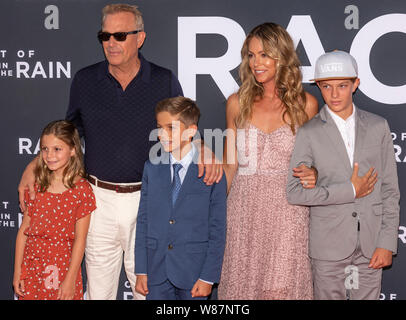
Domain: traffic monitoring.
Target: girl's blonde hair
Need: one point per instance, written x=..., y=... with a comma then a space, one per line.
x=278, y=45
x=67, y=132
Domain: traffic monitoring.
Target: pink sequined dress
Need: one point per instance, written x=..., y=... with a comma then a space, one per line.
x=266, y=255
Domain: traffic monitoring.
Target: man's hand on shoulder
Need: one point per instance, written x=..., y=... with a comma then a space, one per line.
x=209, y=165
x=27, y=183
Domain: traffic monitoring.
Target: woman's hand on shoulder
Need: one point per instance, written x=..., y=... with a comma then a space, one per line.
x=312, y=105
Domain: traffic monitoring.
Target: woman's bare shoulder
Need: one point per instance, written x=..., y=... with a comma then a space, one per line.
x=312, y=105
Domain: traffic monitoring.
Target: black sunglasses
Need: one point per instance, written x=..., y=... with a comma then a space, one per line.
x=119, y=36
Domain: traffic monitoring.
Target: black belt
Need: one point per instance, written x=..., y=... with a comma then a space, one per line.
x=115, y=187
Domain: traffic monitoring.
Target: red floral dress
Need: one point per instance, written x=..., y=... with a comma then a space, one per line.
x=50, y=236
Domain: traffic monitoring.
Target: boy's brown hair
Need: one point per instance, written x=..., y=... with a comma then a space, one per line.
x=185, y=108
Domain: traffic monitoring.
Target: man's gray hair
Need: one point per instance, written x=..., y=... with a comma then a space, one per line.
x=123, y=7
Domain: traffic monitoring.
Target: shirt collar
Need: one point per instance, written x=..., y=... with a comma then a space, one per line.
x=338, y=119
x=144, y=73
x=187, y=159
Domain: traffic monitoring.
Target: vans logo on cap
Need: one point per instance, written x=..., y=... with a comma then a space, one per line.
x=331, y=67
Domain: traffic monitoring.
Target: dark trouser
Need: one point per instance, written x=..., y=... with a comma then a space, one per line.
x=167, y=291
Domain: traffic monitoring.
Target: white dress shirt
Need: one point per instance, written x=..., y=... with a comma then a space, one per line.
x=347, y=131
x=185, y=162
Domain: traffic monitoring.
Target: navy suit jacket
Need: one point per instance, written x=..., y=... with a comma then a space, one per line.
x=184, y=243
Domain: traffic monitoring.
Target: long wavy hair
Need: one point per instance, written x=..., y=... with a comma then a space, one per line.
x=67, y=132
x=278, y=45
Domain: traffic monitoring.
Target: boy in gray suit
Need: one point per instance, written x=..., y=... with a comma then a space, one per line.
x=354, y=208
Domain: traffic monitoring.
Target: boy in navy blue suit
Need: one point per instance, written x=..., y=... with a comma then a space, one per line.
x=181, y=222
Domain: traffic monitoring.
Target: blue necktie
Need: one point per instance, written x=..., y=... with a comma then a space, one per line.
x=176, y=184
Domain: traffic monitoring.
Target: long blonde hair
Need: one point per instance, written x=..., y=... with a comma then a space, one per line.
x=67, y=132
x=278, y=45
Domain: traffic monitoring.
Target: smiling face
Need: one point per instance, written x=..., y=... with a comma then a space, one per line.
x=122, y=53
x=262, y=66
x=173, y=134
x=55, y=153
x=337, y=94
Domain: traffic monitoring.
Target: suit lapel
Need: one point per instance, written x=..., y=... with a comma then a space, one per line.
x=190, y=178
x=164, y=172
x=360, y=134
x=335, y=137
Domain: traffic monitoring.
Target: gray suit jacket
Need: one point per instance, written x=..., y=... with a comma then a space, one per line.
x=334, y=211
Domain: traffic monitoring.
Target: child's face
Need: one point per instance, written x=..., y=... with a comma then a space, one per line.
x=55, y=153
x=173, y=133
x=337, y=94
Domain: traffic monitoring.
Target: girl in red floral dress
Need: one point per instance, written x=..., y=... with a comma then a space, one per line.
x=51, y=240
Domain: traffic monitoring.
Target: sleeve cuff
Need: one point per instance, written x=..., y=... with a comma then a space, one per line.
x=211, y=283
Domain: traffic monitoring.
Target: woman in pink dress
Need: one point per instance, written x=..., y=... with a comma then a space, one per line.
x=266, y=255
